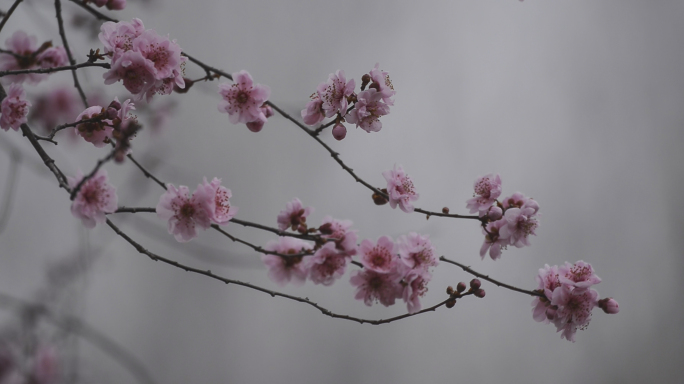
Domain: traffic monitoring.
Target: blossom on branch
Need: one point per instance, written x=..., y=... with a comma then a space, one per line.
x=382, y=83
x=183, y=212
x=313, y=113
x=327, y=264
x=97, y=132
x=294, y=215
x=95, y=198
x=14, y=108
x=368, y=110
x=216, y=200
x=372, y=286
x=285, y=269
x=334, y=94
x=487, y=190
x=243, y=100
x=400, y=189
x=380, y=257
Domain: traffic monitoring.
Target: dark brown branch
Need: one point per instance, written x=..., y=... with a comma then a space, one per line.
x=54, y=69
x=9, y=13
x=92, y=11
x=486, y=277
x=60, y=23
x=146, y=172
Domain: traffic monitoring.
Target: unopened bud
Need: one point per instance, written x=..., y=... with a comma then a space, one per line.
x=339, y=131
x=111, y=113
x=115, y=104
x=379, y=199
x=551, y=313
x=609, y=305
x=450, y=290
x=460, y=287
x=188, y=84
x=326, y=229
x=445, y=210
x=479, y=293
x=495, y=213
x=475, y=284
x=365, y=79
x=450, y=303
x=302, y=229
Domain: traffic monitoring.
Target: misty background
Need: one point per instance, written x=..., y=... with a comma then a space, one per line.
x=577, y=104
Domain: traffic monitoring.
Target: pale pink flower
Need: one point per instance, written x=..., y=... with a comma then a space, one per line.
x=183, y=212
x=345, y=239
x=400, y=189
x=574, y=309
x=258, y=125
x=313, y=113
x=368, y=110
x=327, y=265
x=373, y=286
x=339, y=131
x=137, y=72
x=493, y=241
x=487, y=190
x=281, y=269
x=382, y=83
x=118, y=37
x=334, y=93
x=242, y=100
x=580, y=275
x=414, y=287
x=548, y=281
x=216, y=198
x=380, y=257
x=22, y=45
x=53, y=57
x=609, y=305
x=96, y=132
x=14, y=108
x=516, y=200
x=417, y=252
x=520, y=223
x=163, y=52
x=293, y=215
x=95, y=198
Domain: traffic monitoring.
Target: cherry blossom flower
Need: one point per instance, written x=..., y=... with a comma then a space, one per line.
x=137, y=72
x=417, y=252
x=380, y=257
x=580, y=275
x=313, y=113
x=164, y=53
x=14, y=108
x=372, y=286
x=574, y=309
x=487, y=190
x=493, y=242
x=53, y=57
x=609, y=305
x=334, y=93
x=216, y=198
x=95, y=198
x=283, y=270
x=345, y=239
x=258, y=125
x=327, y=265
x=293, y=215
x=368, y=110
x=96, y=132
x=183, y=212
x=23, y=46
x=382, y=83
x=400, y=189
x=414, y=287
x=242, y=100
x=520, y=223
x=118, y=37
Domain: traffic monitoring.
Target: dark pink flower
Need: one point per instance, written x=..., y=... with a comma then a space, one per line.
x=487, y=190
x=380, y=257
x=160, y=50
x=242, y=100
x=116, y=5
x=574, y=309
x=334, y=94
x=368, y=110
x=283, y=270
x=14, y=108
x=327, y=264
x=95, y=198
x=521, y=221
x=400, y=189
x=118, y=37
x=183, y=212
x=373, y=286
x=293, y=215
x=216, y=199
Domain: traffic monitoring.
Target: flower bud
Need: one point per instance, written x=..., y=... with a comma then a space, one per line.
x=111, y=113
x=445, y=210
x=450, y=290
x=379, y=199
x=495, y=213
x=326, y=229
x=609, y=305
x=115, y=104
x=479, y=293
x=255, y=126
x=475, y=284
x=339, y=131
x=450, y=303
x=460, y=287
x=365, y=79
x=551, y=313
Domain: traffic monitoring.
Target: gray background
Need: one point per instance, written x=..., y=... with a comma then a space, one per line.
x=575, y=103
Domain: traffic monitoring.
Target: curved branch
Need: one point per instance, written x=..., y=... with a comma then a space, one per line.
x=9, y=13
x=60, y=24
x=486, y=277
x=54, y=69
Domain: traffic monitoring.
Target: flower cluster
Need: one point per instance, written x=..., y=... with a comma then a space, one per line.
x=245, y=102
x=506, y=222
x=294, y=215
x=147, y=63
x=24, y=53
x=101, y=125
x=208, y=205
x=400, y=189
x=568, y=298
x=14, y=108
x=95, y=198
x=333, y=97
x=114, y=5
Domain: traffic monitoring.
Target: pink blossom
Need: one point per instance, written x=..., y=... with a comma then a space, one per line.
x=53, y=57
x=383, y=84
x=163, y=52
x=118, y=37
x=183, y=212
x=487, y=190
x=380, y=257
x=283, y=270
x=334, y=93
x=520, y=223
x=313, y=113
x=242, y=100
x=368, y=110
x=400, y=189
x=14, y=108
x=96, y=132
x=95, y=198
x=258, y=125
x=293, y=215
x=216, y=199
x=339, y=131
x=137, y=72
x=327, y=265
x=345, y=239
x=24, y=46
x=609, y=305
x=372, y=286
x=493, y=241
x=548, y=281
x=417, y=252
x=574, y=309
x=580, y=275
x=414, y=287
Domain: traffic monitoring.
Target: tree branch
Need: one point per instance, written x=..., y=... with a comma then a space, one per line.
x=486, y=277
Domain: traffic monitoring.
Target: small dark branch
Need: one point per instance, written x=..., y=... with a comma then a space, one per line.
x=135, y=210
x=292, y=119
x=145, y=172
x=54, y=69
x=208, y=69
x=257, y=248
x=45, y=138
x=69, y=125
x=92, y=173
x=60, y=23
x=225, y=280
x=10, y=187
x=88, y=333
x=357, y=263
x=441, y=214
x=486, y=277
x=9, y=13
x=92, y=11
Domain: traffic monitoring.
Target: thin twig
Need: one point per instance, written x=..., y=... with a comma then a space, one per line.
x=54, y=69
x=486, y=277
x=9, y=13
x=92, y=173
x=62, y=34
x=98, y=15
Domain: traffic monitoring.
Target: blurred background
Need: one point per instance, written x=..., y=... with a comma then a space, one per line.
x=577, y=104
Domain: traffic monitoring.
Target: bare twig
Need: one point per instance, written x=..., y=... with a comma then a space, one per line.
x=486, y=277
x=9, y=13
x=60, y=23
x=92, y=173
x=54, y=69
